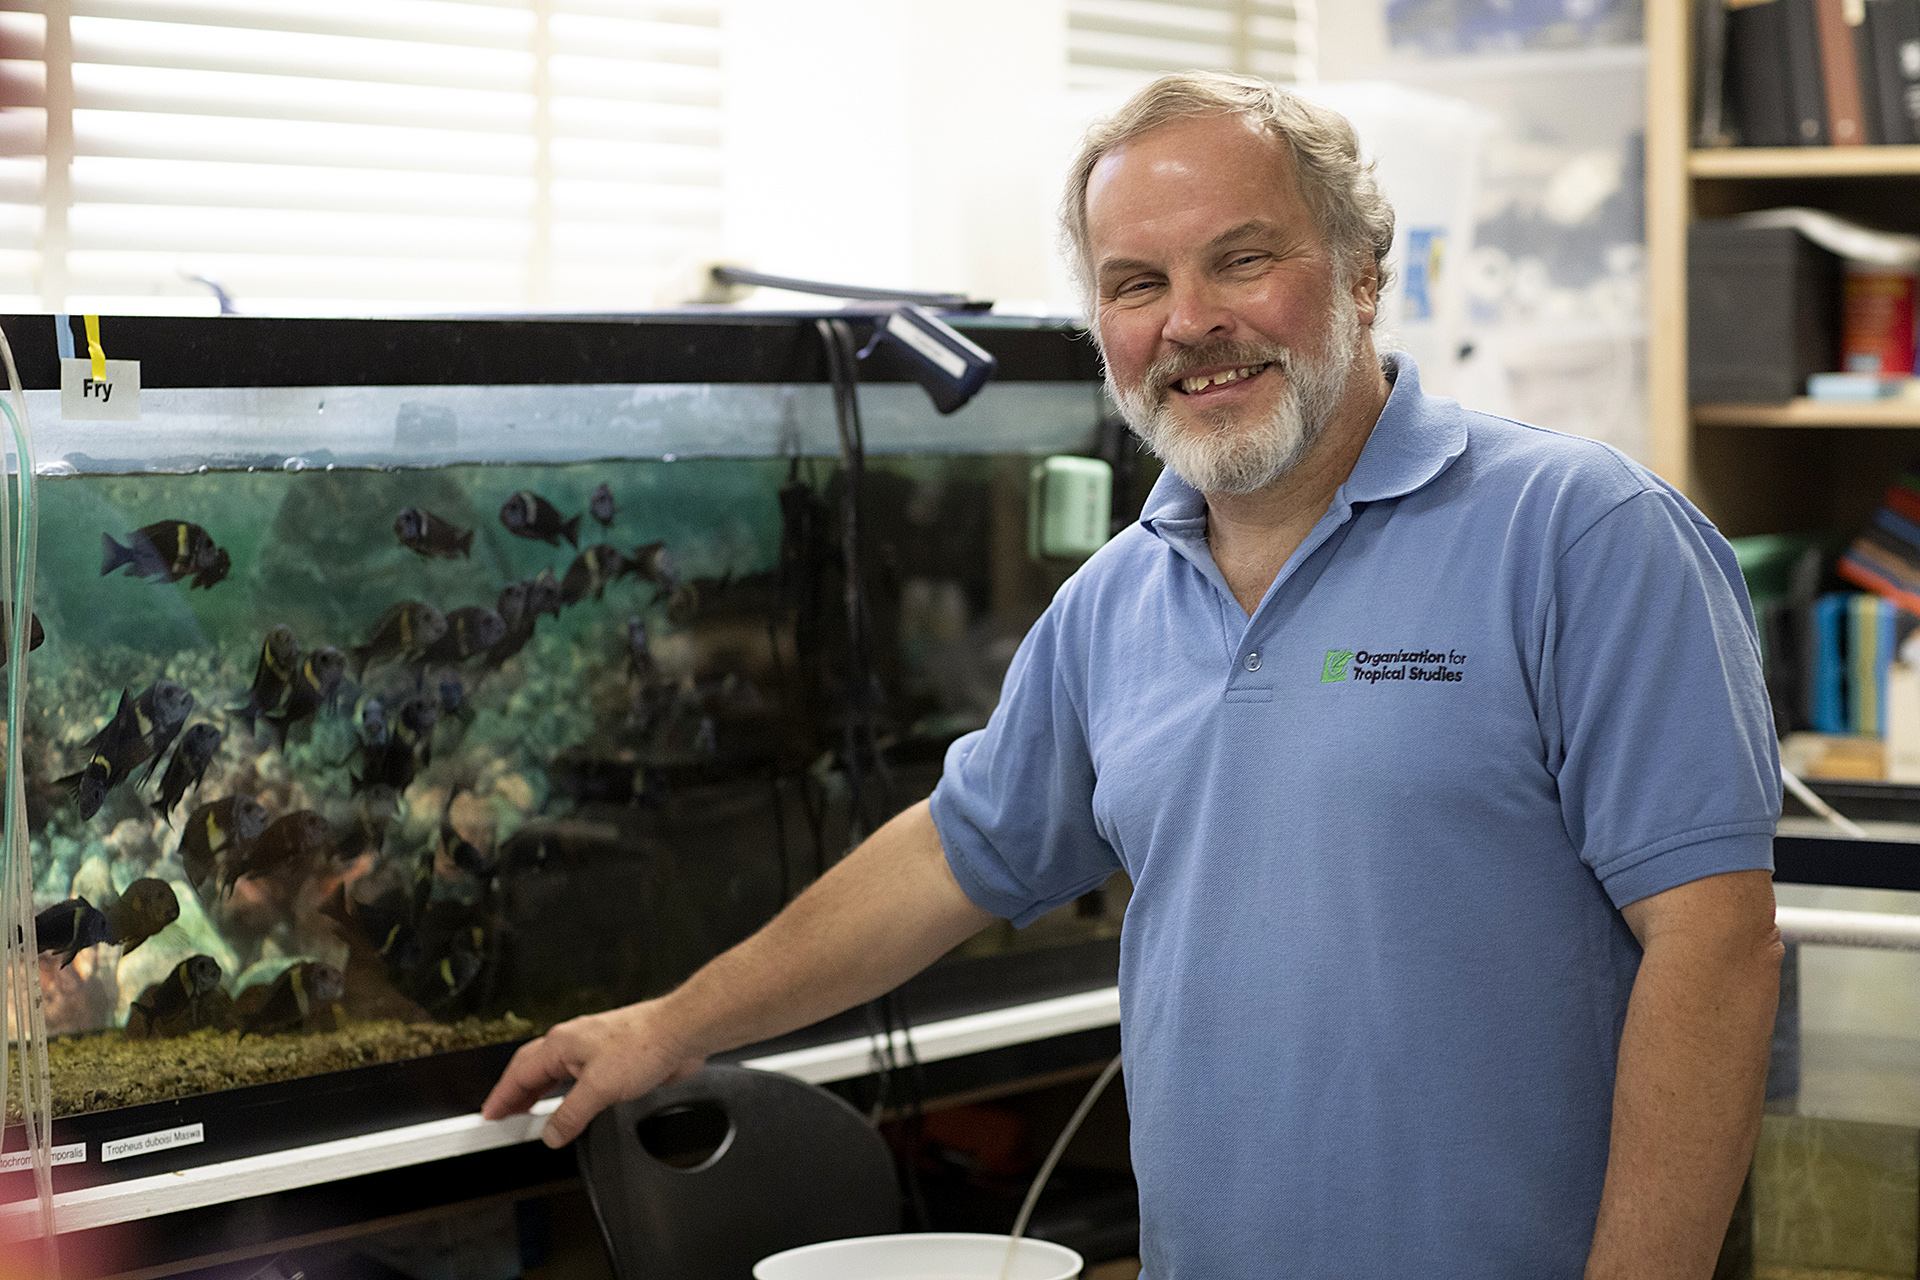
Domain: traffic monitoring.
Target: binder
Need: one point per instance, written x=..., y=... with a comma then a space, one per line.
x=1830, y=662
x=1756, y=69
x=1866, y=669
x=1806, y=84
x=1840, y=74
x=1891, y=77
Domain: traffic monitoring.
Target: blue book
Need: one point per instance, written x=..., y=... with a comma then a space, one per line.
x=1899, y=526
x=1830, y=662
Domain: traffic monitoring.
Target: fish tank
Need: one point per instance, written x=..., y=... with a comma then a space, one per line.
x=404, y=687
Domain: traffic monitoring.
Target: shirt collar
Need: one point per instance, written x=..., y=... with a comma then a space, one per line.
x=1416, y=438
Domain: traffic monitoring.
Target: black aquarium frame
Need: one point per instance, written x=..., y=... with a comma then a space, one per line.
x=687, y=346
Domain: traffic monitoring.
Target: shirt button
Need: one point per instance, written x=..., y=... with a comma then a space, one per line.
x=1253, y=662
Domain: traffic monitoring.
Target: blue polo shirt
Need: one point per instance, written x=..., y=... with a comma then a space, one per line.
x=1374, y=972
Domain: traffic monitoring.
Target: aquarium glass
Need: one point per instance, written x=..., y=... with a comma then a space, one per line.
x=334, y=767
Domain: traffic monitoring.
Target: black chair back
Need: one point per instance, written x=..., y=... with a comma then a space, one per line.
x=699, y=1180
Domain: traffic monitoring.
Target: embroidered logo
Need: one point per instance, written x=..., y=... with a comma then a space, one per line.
x=1335, y=667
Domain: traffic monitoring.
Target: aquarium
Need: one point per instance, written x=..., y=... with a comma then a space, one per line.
x=407, y=686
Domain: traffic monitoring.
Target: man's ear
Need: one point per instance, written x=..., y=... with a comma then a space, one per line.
x=1366, y=292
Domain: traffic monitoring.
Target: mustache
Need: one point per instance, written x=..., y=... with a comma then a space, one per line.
x=1175, y=365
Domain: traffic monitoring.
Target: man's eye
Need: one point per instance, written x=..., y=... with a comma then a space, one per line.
x=1245, y=259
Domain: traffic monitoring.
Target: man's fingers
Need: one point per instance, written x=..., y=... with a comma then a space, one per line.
x=535, y=1068
x=576, y=1111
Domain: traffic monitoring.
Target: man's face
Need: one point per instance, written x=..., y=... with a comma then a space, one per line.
x=1229, y=329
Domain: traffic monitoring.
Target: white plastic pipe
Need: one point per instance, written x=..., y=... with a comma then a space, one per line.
x=1825, y=927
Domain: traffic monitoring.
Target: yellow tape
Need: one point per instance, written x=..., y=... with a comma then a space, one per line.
x=94, y=349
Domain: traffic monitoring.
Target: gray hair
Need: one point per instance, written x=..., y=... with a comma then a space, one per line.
x=1339, y=190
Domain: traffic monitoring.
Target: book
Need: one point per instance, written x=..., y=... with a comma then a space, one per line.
x=1869, y=649
x=1806, y=79
x=1839, y=73
x=1903, y=723
x=1893, y=83
x=1830, y=662
x=1756, y=72
x=1709, y=73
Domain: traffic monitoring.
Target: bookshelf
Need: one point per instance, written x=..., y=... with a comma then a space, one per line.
x=1804, y=465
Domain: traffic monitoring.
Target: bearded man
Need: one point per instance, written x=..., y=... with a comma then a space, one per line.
x=1435, y=746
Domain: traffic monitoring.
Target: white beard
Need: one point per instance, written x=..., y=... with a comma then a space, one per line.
x=1219, y=455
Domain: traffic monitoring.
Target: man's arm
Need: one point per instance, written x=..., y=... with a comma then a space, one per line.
x=885, y=912
x=1691, y=1078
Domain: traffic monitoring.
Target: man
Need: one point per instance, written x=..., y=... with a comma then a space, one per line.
x=1434, y=744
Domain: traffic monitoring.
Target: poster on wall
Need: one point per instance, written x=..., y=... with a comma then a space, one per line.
x=1444, y=27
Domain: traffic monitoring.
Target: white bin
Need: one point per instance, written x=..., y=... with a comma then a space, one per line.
x=928, y=1256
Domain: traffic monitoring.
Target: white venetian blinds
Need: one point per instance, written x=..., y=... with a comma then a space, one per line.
x=355, y=156
x=1122, y=44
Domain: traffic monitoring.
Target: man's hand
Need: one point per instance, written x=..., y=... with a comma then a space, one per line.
x=609, y=1056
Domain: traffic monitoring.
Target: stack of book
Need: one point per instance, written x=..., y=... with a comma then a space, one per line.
x=1807, y=73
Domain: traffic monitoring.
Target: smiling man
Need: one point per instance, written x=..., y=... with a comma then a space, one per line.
x=1434, y=744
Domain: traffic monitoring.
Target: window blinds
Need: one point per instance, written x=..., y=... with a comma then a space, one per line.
x=355, y=156
x=1119, y=45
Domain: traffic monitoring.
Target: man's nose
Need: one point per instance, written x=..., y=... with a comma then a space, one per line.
x=1198, y=312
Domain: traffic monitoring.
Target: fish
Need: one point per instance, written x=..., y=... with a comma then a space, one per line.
x=520, y=606
x=140, y=729
x=171, y=549
x=182, y=991
x=231, y=823
x=512, y=604
x=458, y=849
x=160, y=712
x=272, y=674
x=385, y=923
x=36, y=635
x=188, y=766
x=290, y=841
x=69, y=927
x=453, y=698
x=601, y=504
x=408, y=748
x=316, y=679
x=528, y=515
x=407, y=630
x=544, y=594
x=428, y=534
x=639, y=648
x=147, y=907
x=470, y=632
x=591, y=571
x=373, y=722
x=652, y=562
x=295, y=996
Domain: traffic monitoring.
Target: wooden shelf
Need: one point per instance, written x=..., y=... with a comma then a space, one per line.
x=1804, y=162
x=1811, y=413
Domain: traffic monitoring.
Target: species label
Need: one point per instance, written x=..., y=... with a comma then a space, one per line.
x=139, y=1145
x=114, y=398
x=18, y=1161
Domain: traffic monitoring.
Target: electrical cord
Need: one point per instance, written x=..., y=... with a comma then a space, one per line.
x=23, y=997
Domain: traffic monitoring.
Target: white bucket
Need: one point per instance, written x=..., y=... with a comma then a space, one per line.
x=942, y=1255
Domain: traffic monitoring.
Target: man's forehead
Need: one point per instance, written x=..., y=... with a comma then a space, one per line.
x=1227, y=170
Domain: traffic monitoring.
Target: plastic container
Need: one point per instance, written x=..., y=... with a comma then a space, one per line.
x=929, y=1256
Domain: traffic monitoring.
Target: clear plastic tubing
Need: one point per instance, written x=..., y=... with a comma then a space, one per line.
x=1053, y=1158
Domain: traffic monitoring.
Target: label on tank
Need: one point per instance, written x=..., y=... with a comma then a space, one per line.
x=140, y=1144
x=113, y=397
x=20, y=1161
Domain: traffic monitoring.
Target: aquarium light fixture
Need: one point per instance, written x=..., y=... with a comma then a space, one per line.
x=941, y=359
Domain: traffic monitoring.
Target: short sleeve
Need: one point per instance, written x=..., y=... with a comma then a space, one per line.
x=1014, y=807
x=1653, y=704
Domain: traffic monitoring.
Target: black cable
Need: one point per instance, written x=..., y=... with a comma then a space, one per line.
x=857, y=731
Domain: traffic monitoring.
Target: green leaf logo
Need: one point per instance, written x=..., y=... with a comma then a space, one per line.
x=1335, y=667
